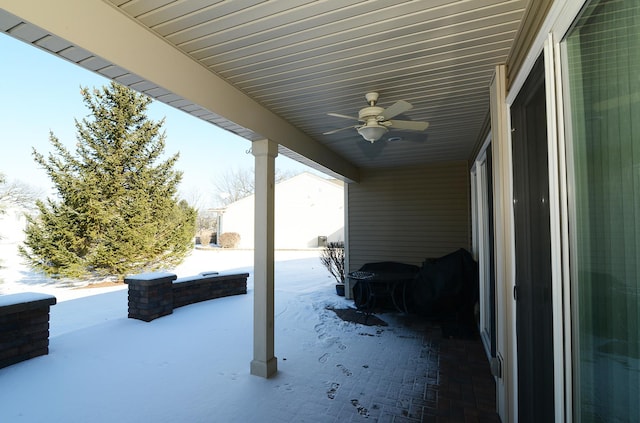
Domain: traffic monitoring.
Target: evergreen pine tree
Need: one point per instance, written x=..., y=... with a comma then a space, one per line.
x=116, y=210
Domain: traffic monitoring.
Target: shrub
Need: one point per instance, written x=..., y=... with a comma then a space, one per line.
x=229, y=239
x=203, y=237
x=332, y=257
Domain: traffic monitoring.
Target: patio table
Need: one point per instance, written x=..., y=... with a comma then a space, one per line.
x=371, y=286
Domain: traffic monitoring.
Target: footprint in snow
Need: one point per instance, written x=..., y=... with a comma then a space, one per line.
x=331, y=393
x=344, y=370
x=361, y=410
x=285, y=386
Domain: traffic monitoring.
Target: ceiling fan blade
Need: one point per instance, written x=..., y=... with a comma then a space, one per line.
x=409, y=125
x=337, y=130
x=396, y=108
x=342, y=116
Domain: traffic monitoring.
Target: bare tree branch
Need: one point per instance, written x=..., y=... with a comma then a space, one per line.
x=236, y=184
x=19, y=194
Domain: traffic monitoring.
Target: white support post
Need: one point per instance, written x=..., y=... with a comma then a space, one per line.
x=264, y=362
x=504, y=257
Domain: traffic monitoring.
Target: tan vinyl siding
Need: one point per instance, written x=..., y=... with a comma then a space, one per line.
x=408, y=214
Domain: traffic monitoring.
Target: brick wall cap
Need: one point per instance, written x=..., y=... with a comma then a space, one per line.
x=199, y=276
x=211, y=276
x=13, y=303
x=233, y=275
x=150, y=278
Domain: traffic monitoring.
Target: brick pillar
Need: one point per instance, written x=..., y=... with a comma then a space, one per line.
x=24, y=326
x=150, y=295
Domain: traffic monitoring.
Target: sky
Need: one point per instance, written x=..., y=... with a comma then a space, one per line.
x=40, y=93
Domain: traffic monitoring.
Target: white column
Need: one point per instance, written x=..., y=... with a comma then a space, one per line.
x=264, y=362
x=504, y=259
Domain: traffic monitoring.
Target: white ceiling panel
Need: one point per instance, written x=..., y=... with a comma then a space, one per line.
x=302, y=59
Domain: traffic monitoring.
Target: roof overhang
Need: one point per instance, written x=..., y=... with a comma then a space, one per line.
x=273, y=70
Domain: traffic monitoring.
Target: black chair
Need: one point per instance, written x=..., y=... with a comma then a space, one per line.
x=383, y=285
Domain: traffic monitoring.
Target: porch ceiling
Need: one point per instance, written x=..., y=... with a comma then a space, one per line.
x=301, y=59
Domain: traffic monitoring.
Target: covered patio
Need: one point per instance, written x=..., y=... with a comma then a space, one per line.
x=291, y=77
x=191, y=366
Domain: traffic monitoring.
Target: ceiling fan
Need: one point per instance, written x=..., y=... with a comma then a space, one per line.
x=377, y=121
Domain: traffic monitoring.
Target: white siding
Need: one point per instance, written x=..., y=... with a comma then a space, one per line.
x=306, y=206
x=409, y=214
x=239, y=217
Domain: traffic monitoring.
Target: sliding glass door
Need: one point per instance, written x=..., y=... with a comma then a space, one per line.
x=602, y=68
x=482, y=215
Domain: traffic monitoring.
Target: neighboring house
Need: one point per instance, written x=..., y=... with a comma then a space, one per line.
x=309, y=211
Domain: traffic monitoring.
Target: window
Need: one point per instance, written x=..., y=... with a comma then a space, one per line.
x=602, y=57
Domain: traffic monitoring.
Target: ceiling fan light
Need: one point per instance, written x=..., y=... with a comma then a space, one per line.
x=372, y=133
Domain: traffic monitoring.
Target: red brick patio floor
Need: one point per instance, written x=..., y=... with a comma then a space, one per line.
x=466, y=389
x=458, y=386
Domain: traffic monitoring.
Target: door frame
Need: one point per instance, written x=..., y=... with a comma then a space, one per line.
x=558, y=21
x=534, y=331
x=483, y=244
x=547, y=41
x=558, y=280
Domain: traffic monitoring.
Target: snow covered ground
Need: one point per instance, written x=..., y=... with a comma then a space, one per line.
x=193, y=365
